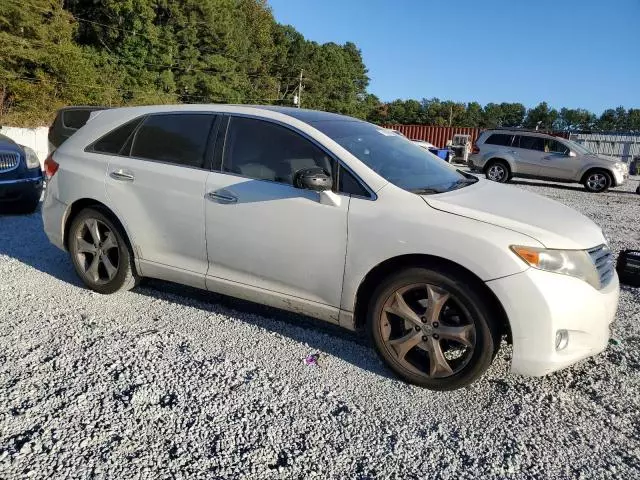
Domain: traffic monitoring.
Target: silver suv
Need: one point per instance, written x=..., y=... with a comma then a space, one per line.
x=503, y=154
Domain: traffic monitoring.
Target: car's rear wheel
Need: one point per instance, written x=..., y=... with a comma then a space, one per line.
x=498, y=171
x=100, y=254
x=432, y=328
x=597, y=181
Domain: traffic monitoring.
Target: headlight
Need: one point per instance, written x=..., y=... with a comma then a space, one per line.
x=32, y=158
x=576, y=263
x=623, y=167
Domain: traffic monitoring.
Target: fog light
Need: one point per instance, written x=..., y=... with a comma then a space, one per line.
x=562, y=339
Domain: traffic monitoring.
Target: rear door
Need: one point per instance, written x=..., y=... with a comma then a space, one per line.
x=529, y=151
x=156, y=183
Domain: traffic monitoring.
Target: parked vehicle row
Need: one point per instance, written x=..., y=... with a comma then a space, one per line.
x=21, y=178
x=338, y=219
x=504, y=154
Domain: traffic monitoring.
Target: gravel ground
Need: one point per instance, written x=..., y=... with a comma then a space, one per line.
x=169, y=382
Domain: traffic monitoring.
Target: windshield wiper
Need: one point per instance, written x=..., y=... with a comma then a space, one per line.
x=426, y=191
x=463, y=183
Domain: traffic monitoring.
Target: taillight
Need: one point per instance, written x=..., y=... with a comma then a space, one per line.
x=475, y=149
x=50, y=167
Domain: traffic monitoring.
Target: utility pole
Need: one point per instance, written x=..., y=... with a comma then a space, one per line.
x=300, y=90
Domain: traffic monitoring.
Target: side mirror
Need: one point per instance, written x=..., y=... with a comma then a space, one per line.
x=571, y=154
x=314, y=178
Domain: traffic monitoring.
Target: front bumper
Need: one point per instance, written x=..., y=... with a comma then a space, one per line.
x=539, y=303
x=620, y=177
x=20, y=189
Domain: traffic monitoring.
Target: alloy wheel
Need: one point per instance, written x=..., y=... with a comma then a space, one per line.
x=597, y=182
x=496, y=172
x=427, y=331
x=97, y=251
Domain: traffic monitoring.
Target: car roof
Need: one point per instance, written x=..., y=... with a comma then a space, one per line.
x=301, y=114
x=519, y=131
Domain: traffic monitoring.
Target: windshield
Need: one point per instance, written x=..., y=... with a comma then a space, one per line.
x=396, y=159
x=578, y=148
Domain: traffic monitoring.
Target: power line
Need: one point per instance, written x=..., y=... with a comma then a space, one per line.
x=174, y=66
x=127, y=90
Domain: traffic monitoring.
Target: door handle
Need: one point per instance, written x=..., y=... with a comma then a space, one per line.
x=122, y=175
x=221, y=197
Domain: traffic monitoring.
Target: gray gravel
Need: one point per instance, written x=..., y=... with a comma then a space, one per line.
x=169, y=382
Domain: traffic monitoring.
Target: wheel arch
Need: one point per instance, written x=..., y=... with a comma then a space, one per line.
x=79, y=205
x=503, y=159
x=593, y=168
x=392, y=265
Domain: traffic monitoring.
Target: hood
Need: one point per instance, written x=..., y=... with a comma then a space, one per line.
x=550, y=223
x=605, y=157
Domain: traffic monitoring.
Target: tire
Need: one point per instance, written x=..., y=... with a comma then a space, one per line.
x=498, y=171
x=454, y=321
x=105, y=264
x=597, y=181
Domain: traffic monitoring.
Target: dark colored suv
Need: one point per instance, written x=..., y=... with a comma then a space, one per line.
x=20, y=178
x=68, y=120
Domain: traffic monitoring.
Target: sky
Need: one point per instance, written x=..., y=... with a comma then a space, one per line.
x=570, y=53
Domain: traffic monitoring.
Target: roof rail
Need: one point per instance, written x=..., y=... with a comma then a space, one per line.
x=555, y=133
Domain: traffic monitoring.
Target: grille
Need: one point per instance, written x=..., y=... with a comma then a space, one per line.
x=8, y=161
x=603, y=260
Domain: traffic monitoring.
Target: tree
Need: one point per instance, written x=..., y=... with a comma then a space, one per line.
x=541, y=116
x=473, y=115
x=512, y=114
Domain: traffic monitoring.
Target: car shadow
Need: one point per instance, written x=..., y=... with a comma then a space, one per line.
x=561, y=186
x=22, y=238
x=318, y=335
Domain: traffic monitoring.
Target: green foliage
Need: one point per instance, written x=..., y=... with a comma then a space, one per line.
x=127, y=52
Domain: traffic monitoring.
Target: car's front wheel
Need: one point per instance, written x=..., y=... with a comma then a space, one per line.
x=598, y=181
x=100, y=253
x=432, y=328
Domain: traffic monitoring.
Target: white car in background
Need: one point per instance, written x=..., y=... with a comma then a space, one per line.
x=335, y=218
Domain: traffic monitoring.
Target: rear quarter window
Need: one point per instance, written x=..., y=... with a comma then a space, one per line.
x=75, y=118
x=501, y=139
x=114, y=142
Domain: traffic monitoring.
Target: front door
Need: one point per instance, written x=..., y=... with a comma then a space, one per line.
x=158, y=188
x=556, y=162
x=266, y=238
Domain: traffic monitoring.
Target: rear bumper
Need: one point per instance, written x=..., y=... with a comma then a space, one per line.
x=20, y=190
x=539, y=304
x=53, y=217
x=474, y=163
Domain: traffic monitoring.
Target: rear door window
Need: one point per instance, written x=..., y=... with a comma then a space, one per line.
x=529, y=143
x=174, y=138
x=501, y=139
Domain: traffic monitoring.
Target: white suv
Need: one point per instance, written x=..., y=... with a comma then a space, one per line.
x=504, y=154
x=338, y=219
